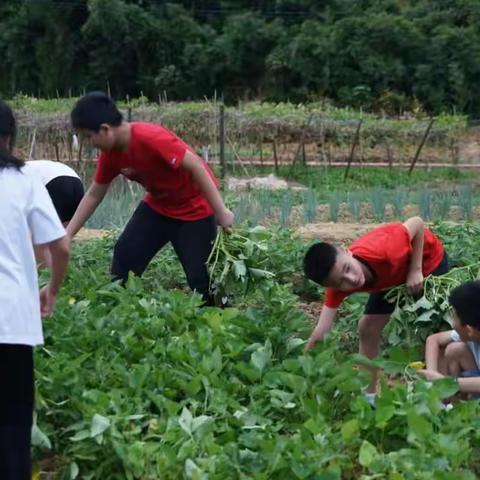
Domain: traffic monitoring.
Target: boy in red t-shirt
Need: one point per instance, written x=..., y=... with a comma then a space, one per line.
x=388, y=256
x=182, y=204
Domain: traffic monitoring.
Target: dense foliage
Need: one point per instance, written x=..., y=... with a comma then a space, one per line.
x=142, y=383
x=389, y=54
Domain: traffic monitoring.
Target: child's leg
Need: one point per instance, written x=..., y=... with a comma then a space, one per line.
x=376, y=315
x=193, y=243
x=144, y=235
x=370, y=330
x=459, y=358
x=16, y=410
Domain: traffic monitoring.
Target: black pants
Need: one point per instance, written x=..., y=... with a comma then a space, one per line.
x=66, y=193
x=148, y=231
x=16, y=411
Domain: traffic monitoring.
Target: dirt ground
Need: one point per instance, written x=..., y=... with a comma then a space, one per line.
x=339, y=233
x=266, y=182
x=86, y=234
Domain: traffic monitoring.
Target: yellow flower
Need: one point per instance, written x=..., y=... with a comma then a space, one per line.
x=417, y=365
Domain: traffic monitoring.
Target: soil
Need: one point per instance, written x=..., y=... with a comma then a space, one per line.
x=266, y=182
x=312, y=310
x=86, y=234
x=337, y=233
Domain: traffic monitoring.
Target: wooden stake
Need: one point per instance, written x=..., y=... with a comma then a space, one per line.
x=31, y=155
x=302, y=140
x=275, y=156
x=223, y=167
x=356, y=139
x=419, y=149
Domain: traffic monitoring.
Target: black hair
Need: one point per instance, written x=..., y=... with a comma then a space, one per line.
x=8, y=132
x=319, y=261
x=465, y=299
x=94, y=109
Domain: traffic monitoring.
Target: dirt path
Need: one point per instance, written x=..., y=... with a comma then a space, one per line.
x=86, y=234
x=340, y=233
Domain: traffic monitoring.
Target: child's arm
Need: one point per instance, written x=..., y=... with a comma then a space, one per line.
x=415, y=229
x=467, y=384
x=59, y=254
x=199, y=173
x=92, y=198
x=324, y=325
x=432, y=348
x=42, y=256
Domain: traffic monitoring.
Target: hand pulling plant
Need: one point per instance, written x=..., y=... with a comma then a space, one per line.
x=238, y=257
x=421, y=316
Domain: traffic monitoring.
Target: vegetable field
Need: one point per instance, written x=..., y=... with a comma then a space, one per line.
x=142, y=383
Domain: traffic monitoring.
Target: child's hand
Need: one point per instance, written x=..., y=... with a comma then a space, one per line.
x=431, y=375
x=225, y=220
x=312, y=341
x=414, y=282
x=47, y=301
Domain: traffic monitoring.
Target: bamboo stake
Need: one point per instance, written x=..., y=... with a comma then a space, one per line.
x=419, y=149
x=352, y=151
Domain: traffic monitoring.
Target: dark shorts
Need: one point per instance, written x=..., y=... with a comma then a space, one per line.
x=66, y=193
x=377, y=305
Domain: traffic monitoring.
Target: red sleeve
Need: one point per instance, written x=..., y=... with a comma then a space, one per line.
x=334, y=298
x=170, y=148
x=399, y=245
x=105, y=171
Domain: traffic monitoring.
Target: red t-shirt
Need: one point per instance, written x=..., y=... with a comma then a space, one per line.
x=153, y=159
x=387, y=251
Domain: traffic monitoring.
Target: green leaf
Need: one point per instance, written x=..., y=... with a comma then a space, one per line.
x=81, y=435
x=293, y=343
x=333, y=472
x=425, y=316
x=367, y=454
x=383, y=414
x=419, y=426
x=312, y=426
x=99, y=425
x=422, y=303
x=240, y=268
x=185, y=421
x=260, y=359
x=191, y=469
x=39, y=439
x=197, y=422
x=349, y=429
x=257, y=273
x=74, y=471
x=445, y=387
x=262, y=356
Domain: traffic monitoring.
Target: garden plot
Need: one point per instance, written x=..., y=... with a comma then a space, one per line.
x=141, y=383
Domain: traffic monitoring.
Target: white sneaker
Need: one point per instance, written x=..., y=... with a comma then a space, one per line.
x=370, y=397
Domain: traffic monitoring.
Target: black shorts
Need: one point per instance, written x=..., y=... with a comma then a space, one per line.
x=66, y=193
x=377, y=305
